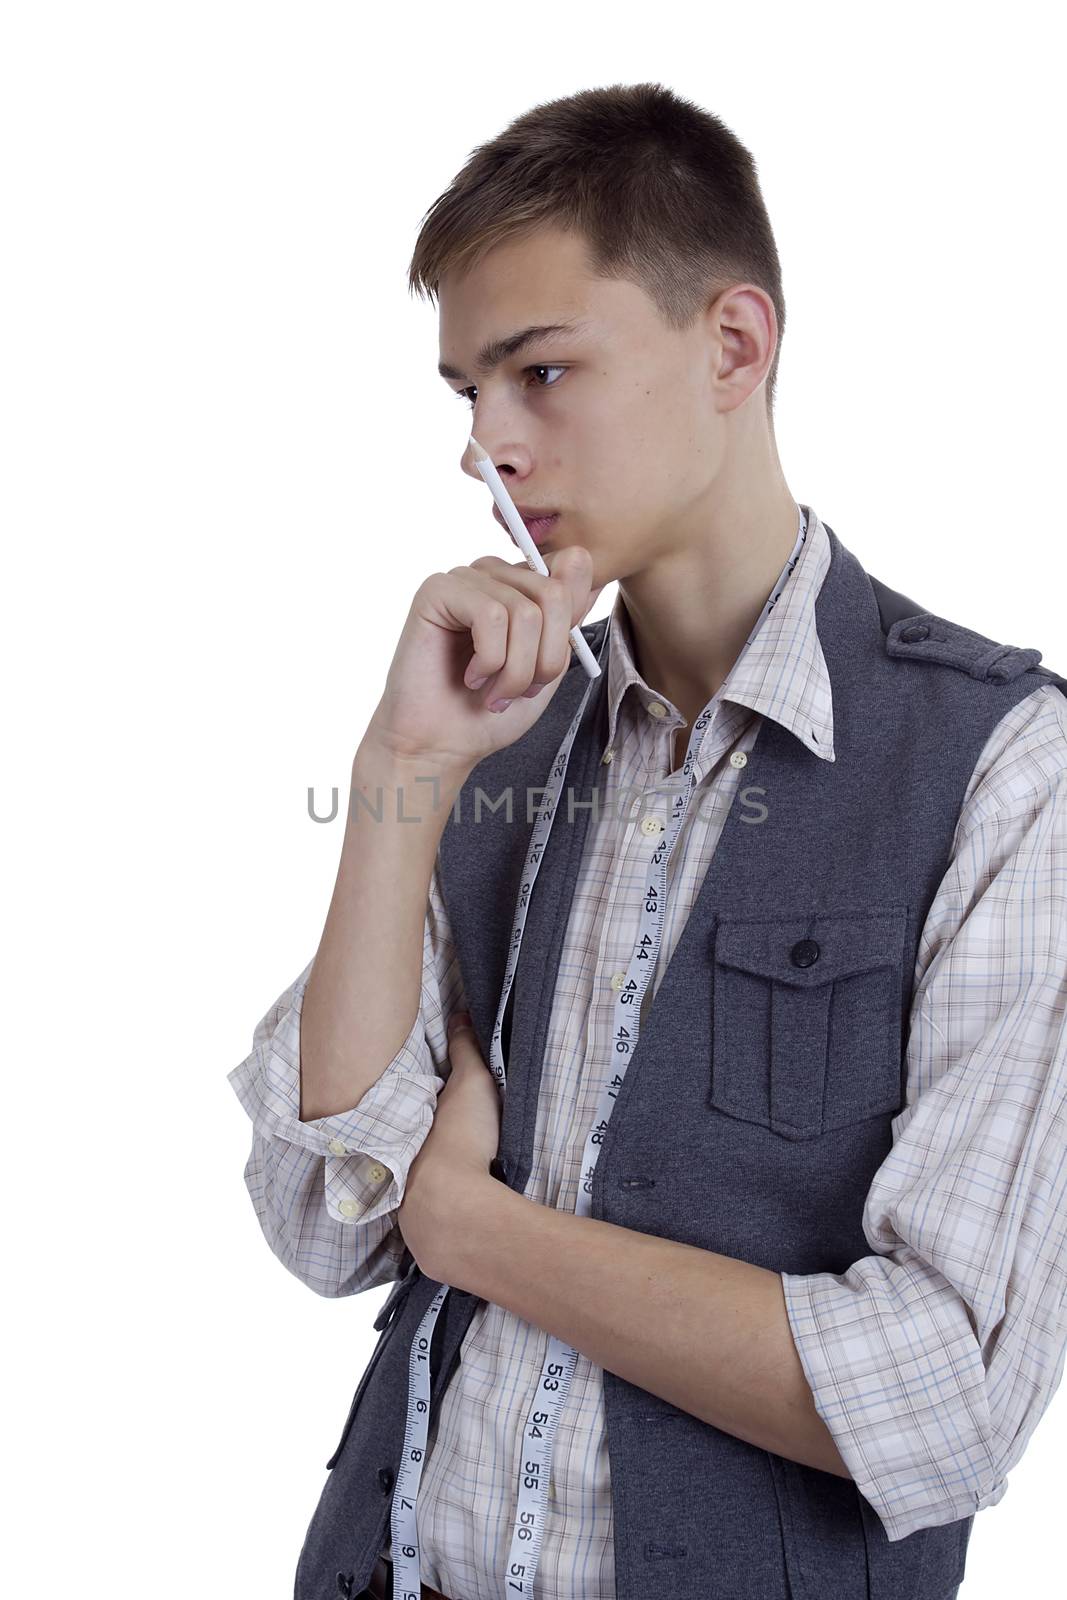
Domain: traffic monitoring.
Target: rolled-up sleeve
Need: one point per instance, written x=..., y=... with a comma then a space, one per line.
x=326, y=1192
x=932, y=1360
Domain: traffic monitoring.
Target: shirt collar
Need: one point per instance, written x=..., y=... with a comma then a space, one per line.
x=782, y=673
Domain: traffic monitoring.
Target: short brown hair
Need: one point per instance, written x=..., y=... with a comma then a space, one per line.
x=663, y=191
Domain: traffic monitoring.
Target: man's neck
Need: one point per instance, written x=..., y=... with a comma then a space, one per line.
x=691, y=612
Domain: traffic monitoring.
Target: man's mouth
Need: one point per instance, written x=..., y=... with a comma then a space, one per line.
x=539, y=528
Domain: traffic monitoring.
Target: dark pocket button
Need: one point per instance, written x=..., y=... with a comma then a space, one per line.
x=804, y=952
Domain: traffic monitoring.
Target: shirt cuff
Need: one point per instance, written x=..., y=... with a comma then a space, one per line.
x=369, y=1148
x=889, y=1352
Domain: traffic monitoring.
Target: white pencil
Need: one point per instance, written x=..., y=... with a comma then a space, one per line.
x=533, y=556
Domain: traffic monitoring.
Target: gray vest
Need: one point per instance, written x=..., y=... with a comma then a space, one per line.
x=845, y=863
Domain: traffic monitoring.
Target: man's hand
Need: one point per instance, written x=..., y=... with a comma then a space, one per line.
x=455, y=1155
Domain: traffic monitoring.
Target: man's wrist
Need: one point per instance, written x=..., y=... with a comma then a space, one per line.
x=417, y=786
x=470, y=1199
x=378, y=755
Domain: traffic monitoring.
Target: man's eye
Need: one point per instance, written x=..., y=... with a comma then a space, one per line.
x=464, y=394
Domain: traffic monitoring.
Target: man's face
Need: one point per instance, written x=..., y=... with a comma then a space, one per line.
x=614, y=426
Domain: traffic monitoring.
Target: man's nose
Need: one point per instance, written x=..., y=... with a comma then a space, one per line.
x=510, y=458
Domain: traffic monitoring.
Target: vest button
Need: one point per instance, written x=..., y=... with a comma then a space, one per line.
x=804, y=952
x=915, y=633
x=345, y=1581
x=385, y=1479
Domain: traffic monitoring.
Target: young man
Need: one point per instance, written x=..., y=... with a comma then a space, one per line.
x=752, y=1284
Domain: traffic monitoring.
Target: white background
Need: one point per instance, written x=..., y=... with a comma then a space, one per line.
x=228, y=463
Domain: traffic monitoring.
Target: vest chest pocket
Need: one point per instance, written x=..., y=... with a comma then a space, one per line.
x=806, y=1018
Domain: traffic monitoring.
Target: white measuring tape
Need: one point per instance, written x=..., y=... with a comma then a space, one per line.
x=560, y=1361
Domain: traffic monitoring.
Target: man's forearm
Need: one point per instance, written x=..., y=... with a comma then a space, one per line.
x=704, y=1332
x=364, y=990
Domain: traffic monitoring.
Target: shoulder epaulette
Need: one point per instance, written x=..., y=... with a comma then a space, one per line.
x=927, y=637
x=919, y=635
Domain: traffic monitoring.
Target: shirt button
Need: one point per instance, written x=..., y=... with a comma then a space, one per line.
x=336, y=1148
x=609, y=755
x=656, y=708
x=617, y=980
x=376, y=1173
x=651, y=825
x=738, y=759
x=348, y=1208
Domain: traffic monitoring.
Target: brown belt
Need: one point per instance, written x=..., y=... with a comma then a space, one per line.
x=380, y=1583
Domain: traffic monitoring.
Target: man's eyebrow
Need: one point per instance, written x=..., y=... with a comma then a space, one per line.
x=498, y=350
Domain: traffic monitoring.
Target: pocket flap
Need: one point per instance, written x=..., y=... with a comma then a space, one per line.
x=809, y=949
